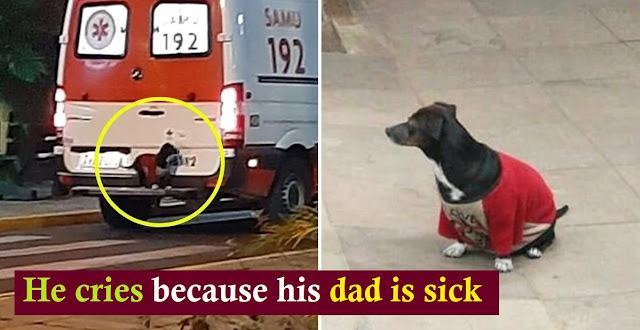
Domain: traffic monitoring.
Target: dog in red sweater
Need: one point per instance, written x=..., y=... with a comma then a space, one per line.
x=490, y=200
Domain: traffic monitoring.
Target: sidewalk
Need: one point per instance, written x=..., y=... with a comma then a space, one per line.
x=12, y=209
x=552, y=82
x=297, y=260
x=22, y=216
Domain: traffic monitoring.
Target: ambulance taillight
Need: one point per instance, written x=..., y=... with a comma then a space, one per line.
x=59, y=117
x=231, y=116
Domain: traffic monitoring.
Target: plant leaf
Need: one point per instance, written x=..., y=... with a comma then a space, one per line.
x=25, y=65
x=286, y=235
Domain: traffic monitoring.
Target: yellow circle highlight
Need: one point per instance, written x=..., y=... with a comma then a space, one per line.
x=103, y=133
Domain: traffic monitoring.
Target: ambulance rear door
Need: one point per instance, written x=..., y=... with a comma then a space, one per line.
x=117, y=52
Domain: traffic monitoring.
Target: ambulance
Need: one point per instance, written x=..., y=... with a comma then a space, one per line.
x=250, y=65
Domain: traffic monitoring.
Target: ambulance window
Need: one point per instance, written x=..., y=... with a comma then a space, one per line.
x=180, y=29
x=103, y=31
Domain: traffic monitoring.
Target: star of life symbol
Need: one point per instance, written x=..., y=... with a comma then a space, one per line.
x=100, y=30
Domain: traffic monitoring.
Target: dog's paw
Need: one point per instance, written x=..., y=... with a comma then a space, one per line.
x=503, y=265
x=534, y=253
x=455, y=250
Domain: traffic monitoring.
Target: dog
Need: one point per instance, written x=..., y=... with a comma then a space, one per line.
x=490, y=200
x=156, y=171
x=167, y=162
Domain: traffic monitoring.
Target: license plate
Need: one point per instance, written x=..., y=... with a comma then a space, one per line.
x=180, y=28
x=108, y=160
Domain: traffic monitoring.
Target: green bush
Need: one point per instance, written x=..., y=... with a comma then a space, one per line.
x=18, y=59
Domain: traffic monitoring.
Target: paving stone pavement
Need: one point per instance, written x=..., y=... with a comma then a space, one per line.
x=296, y=260
x=556, y=83
x=11, y=209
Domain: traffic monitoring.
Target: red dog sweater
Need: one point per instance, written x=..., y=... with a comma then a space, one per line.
x=517, y=211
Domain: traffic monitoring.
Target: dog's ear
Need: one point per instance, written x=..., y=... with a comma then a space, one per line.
x=450, y=109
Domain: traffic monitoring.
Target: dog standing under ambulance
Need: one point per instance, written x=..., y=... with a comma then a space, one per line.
x=490, y=200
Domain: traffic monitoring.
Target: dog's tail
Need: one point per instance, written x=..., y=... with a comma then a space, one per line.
x=562, y=211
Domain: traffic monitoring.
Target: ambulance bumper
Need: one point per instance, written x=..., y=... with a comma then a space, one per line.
x=249, y=173
x=136, y=191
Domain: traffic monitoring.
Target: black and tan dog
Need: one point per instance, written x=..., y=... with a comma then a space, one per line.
x=490, y=200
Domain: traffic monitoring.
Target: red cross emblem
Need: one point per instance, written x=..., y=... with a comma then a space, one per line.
x=100, y=29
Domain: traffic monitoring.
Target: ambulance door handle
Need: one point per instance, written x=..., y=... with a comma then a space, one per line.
x=151, y=113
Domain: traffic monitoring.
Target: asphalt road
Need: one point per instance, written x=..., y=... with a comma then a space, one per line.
x=97, y=246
